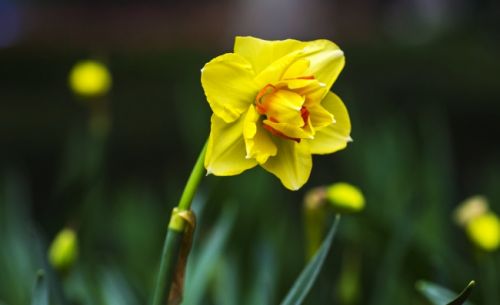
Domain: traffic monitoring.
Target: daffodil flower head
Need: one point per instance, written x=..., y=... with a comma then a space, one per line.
x=272, y=107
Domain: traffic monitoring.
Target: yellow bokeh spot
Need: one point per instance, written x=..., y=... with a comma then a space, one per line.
x=484, y=231
x=64, y=250
x=90, y=78
x=345, y=197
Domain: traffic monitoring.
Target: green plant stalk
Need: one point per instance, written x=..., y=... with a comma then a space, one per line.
x=175, y=232
x=489, y=279
x=169, y=257
x=193, y=181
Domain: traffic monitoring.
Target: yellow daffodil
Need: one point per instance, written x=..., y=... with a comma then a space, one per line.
x=272, y=107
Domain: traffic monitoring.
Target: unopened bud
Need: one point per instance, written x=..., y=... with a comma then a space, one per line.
x=345, y=198
x=64, y=250
x=484, y=231
x=90, y=78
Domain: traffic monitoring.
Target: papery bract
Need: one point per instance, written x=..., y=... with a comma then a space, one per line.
x=272, y=107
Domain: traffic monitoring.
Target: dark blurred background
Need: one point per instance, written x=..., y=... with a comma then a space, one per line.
x=422, y=87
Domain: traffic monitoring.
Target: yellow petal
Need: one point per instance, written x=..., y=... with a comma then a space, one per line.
x=334, y=136
x=300, y=85
x=292, y=165
x=313, y=90
x=261, y=53
x=320, y=117
x=259, y=145
x=284, y=106
x=229, y=87
x=297, y=69
x=226, y=148
x=276, y=71
x=326, y=61
x=289, y=130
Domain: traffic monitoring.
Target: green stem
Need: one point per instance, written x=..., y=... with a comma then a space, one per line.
x=489, y=279
x=171, y=247
x=193, y=181
x=175, y=232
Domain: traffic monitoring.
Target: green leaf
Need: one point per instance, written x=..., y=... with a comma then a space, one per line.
x=114, y=288
x=263, y=285
x=226, y=286
x=41, y=290
x=463, y=295
x=438, y=295
x=202, y=264
x=304, y=282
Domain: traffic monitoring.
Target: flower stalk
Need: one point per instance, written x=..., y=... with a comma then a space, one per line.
x=193, y=181
x=175, y=236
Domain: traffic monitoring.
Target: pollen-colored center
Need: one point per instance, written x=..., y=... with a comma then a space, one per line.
x=284, y=111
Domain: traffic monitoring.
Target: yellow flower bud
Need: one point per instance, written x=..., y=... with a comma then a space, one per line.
x=484, y=231
x=64, y=250
x=345, y=198
x=90, y=78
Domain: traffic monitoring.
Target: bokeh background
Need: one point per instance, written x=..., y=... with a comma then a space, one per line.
x=422, y=87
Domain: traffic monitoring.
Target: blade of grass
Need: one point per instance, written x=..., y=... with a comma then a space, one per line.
x=226, y=288
x=462, y=298
x=40, y=291
x=115, y=289
x=203, y=261
x=305, y=281
x=264, y=283
x=438, y=295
